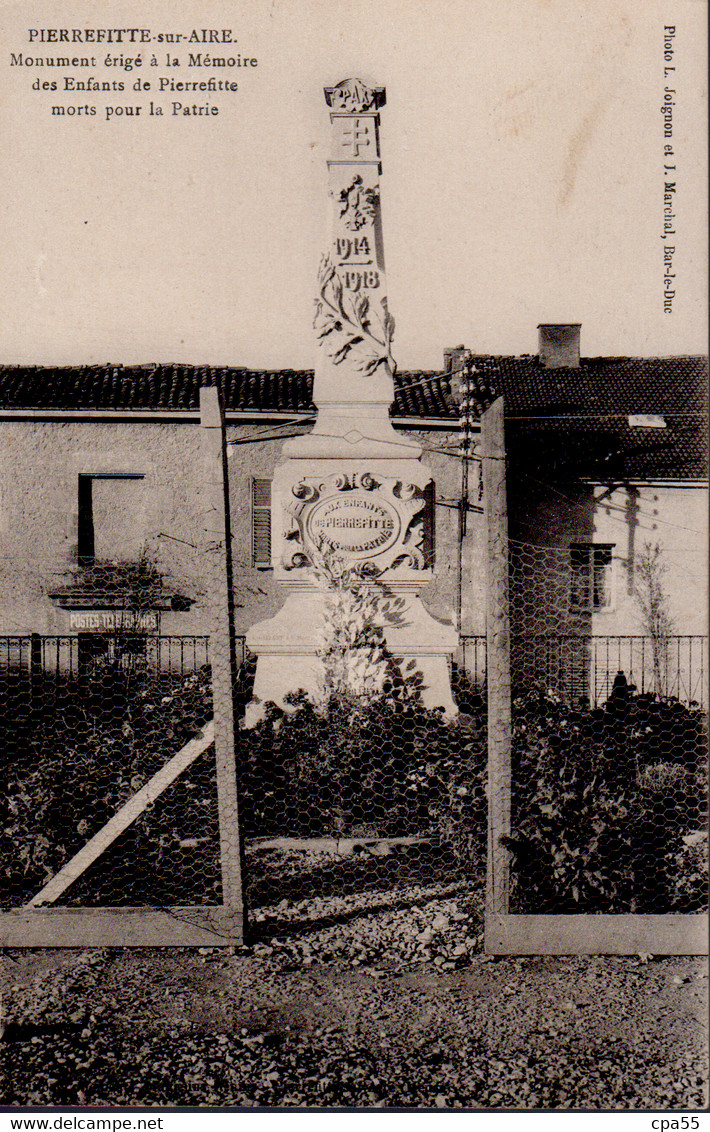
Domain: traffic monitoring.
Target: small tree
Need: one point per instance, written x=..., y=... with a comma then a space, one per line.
x=650, y=591
x=353, y=652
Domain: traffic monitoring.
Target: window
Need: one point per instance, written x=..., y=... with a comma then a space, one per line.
x=261, y=524
x=591, y=577
x=111, y=527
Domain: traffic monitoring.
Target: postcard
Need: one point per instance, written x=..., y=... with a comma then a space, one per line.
x=353, y=554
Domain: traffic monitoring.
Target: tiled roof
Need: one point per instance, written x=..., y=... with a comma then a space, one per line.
x=151, y=387
x=559, y=415
x=576, y=421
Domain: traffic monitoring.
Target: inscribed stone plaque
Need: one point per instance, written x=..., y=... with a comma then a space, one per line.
x=354, y=525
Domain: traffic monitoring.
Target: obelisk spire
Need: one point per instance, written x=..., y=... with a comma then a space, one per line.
x=353, y=385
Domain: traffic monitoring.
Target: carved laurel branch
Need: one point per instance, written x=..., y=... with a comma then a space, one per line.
x=348, y=323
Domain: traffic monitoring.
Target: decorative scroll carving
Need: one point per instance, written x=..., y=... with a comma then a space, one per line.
x=353, y=97
x=362, y=518
x=350, y=324
x=303, y=490
x=405, y=490
x=358, y=205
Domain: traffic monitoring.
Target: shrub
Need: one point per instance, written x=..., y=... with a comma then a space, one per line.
x=601, y=802
x=607, y=808
x=367, y=758
x=387, y=768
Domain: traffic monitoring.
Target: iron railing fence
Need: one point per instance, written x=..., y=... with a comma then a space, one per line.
x=584, y=668
x=575, y=667
x=35, y=654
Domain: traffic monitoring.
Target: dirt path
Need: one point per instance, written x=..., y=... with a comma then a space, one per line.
x=393, y=1008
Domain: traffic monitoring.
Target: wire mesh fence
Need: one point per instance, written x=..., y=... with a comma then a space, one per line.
x=87, y=724
x=348, y=805
x=368, y=803
x=608, y=789
x=354, y=805
x=365, y=804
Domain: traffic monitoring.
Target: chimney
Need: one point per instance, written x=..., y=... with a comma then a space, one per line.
x=452, y=357
x=453, y=366
x=559, y=344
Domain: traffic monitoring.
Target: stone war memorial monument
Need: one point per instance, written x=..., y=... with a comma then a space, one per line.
x=352, y=488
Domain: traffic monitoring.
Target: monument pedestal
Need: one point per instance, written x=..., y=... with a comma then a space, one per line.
x=368, y=512
x=288, y=643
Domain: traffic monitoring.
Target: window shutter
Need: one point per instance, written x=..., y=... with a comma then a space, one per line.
x=429, y=519
x=261, y=523
x=601, y=598
x=580, y=557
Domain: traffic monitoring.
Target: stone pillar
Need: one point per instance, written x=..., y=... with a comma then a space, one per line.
x=352, y=485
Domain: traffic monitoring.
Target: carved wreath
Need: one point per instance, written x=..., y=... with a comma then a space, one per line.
x=350, y=324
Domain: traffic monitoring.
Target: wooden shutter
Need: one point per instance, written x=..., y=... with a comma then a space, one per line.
x=580, y=576
x=429, y=524
x=601, y=577
x=261, y=523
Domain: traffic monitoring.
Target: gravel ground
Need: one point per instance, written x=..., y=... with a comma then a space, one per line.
x=378, y=999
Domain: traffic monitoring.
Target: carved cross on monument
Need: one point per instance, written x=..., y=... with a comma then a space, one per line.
x=353, y=484
x=357, y=137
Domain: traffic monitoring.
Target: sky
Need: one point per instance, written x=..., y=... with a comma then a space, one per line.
x=523, y=181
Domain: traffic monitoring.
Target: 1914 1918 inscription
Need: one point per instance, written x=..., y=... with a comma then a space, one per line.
x=354, y=524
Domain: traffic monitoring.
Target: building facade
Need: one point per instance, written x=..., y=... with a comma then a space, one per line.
x=102, y=504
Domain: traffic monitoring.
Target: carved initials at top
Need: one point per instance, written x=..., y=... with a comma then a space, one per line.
x=353, y=97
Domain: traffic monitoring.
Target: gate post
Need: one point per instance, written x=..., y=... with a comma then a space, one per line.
x=498, y=663
x=222, y=651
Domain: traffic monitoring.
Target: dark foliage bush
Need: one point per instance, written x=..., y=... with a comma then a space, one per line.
x=607, y=805
x=601, y=802
x=391, y=768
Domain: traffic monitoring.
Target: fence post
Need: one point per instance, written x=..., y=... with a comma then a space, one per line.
x=37, y=686
x=35, y=656
x=222, y=650
x=498, y=658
